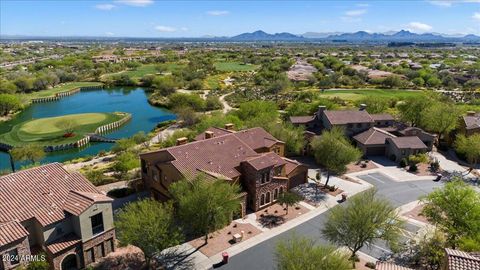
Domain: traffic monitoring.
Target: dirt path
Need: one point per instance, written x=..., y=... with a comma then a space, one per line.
x=226, y=107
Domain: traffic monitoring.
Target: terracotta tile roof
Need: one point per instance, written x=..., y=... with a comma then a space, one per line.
x=220, y=155
x=216, y=132
x=301, y=119
x=389, y=266
x=77, y=202
x=291, y=165
x=460, y=260
x=11, y=232
x=39, y=193
x=266, y=160
x=63, y=243
x=472, y=121
x=373, y=136
x=256, y=138
x=410, y=142
x=382, y=117
x=348, y=117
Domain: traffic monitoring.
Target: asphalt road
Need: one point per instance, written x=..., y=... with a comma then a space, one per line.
x=261, y=256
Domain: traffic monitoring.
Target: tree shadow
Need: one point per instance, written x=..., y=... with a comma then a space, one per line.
x=270, y=221
x=176, y=259
x=126, y=261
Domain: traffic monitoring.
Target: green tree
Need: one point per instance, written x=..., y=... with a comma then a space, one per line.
x=148, y=225
x=455, y=210
x=124, y=162
x=412, y=109
x=301, y=253
x=393, y=81
x=205, y=205
x=363, y=220
x=440, y=118
x=469, y=147
x=164, y=85
x=334, y=152
x=68, y=126
x=289, y=199
x=141, y=138
x=123, y=145
x=39, y=264
x=31, y=153
x=9, y=103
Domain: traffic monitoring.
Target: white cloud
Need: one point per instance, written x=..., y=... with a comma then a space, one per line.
x=105, y=6
x=218, y=12
x=184, y=29
x=449, y=3
x=476, y=16
x=109, y=34
x=136, y=3
x=419, y=27
x=165, y=29
x=363, y=5
x=355, y=13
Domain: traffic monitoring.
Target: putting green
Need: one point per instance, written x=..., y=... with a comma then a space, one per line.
x=51, y=130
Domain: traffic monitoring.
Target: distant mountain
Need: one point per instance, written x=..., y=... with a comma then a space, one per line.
x=319, y=35
x=403, y=35
x=262, y=36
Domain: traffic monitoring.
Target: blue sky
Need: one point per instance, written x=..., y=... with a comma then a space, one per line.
x=152, y=18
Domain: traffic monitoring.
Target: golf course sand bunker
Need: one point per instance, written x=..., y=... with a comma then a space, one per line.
x=58, y=130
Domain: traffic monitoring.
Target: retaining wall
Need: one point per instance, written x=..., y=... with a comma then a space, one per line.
x=60, y=95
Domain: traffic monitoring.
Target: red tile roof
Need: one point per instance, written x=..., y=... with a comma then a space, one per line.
x=373, y=136
x=77, y=202
x=382, y=117
x=220, y=155
x=266, y=160
x=348, y=117
x=410, y=142
x=460, y=260
x=472, y=121
x=216, y=132
x=389, y=266
x=11, y=232
x=63, y=243
x=39, y=193
x=256, y=138
x=301, y=119
x=291, y=165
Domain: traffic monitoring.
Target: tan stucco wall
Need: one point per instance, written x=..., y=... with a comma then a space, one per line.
x=51, y=232
x=85, y=223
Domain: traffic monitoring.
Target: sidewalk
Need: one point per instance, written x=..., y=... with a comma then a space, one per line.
x=203, y=262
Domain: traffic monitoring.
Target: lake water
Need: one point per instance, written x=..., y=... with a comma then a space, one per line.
x=132, y=100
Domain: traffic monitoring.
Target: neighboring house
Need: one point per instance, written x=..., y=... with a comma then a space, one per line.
x=251, y=158
x=460, y=260
x=352, y=121
x=399, y=148
x=470, y=124
x=47, y=209
x=389, y=266
x=395, y=145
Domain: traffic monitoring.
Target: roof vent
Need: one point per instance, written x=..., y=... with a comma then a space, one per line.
x=209, y=134
x=363, y=106
x=182, y=140
x=229, y=126
x=471, y=113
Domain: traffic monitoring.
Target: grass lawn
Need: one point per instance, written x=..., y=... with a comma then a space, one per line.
x=51, y=92
x=49, y=131
x=234, y=66
x=353, y=95
x=214, y=81
x=149, y=69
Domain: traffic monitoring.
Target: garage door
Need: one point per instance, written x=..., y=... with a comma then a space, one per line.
x=376, y=151
x=298, y=179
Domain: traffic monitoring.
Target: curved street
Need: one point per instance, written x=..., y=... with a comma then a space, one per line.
x=262, y=255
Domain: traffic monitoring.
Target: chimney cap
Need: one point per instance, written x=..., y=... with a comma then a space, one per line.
x=229, y=126
x=182, y=140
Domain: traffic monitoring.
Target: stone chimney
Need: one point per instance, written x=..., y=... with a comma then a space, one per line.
x=182, y=141
x=471, y=113
x=363, y=106
x=229, y=126
x=321, y=109
x=208, y=134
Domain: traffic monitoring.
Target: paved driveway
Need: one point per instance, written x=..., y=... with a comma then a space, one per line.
x=261, y=256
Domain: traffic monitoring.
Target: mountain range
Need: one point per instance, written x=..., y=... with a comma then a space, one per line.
x=360, y=36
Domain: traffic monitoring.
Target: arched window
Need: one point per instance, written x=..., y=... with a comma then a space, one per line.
x=268, y=198
x=275, y=194
x=281, y=190
x=262, y=199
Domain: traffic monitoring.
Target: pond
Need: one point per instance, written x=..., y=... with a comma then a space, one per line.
x=131, y=100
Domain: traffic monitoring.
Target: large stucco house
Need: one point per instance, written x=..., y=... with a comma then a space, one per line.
x=374, y=134
x=52, y=211
x=251, y=158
